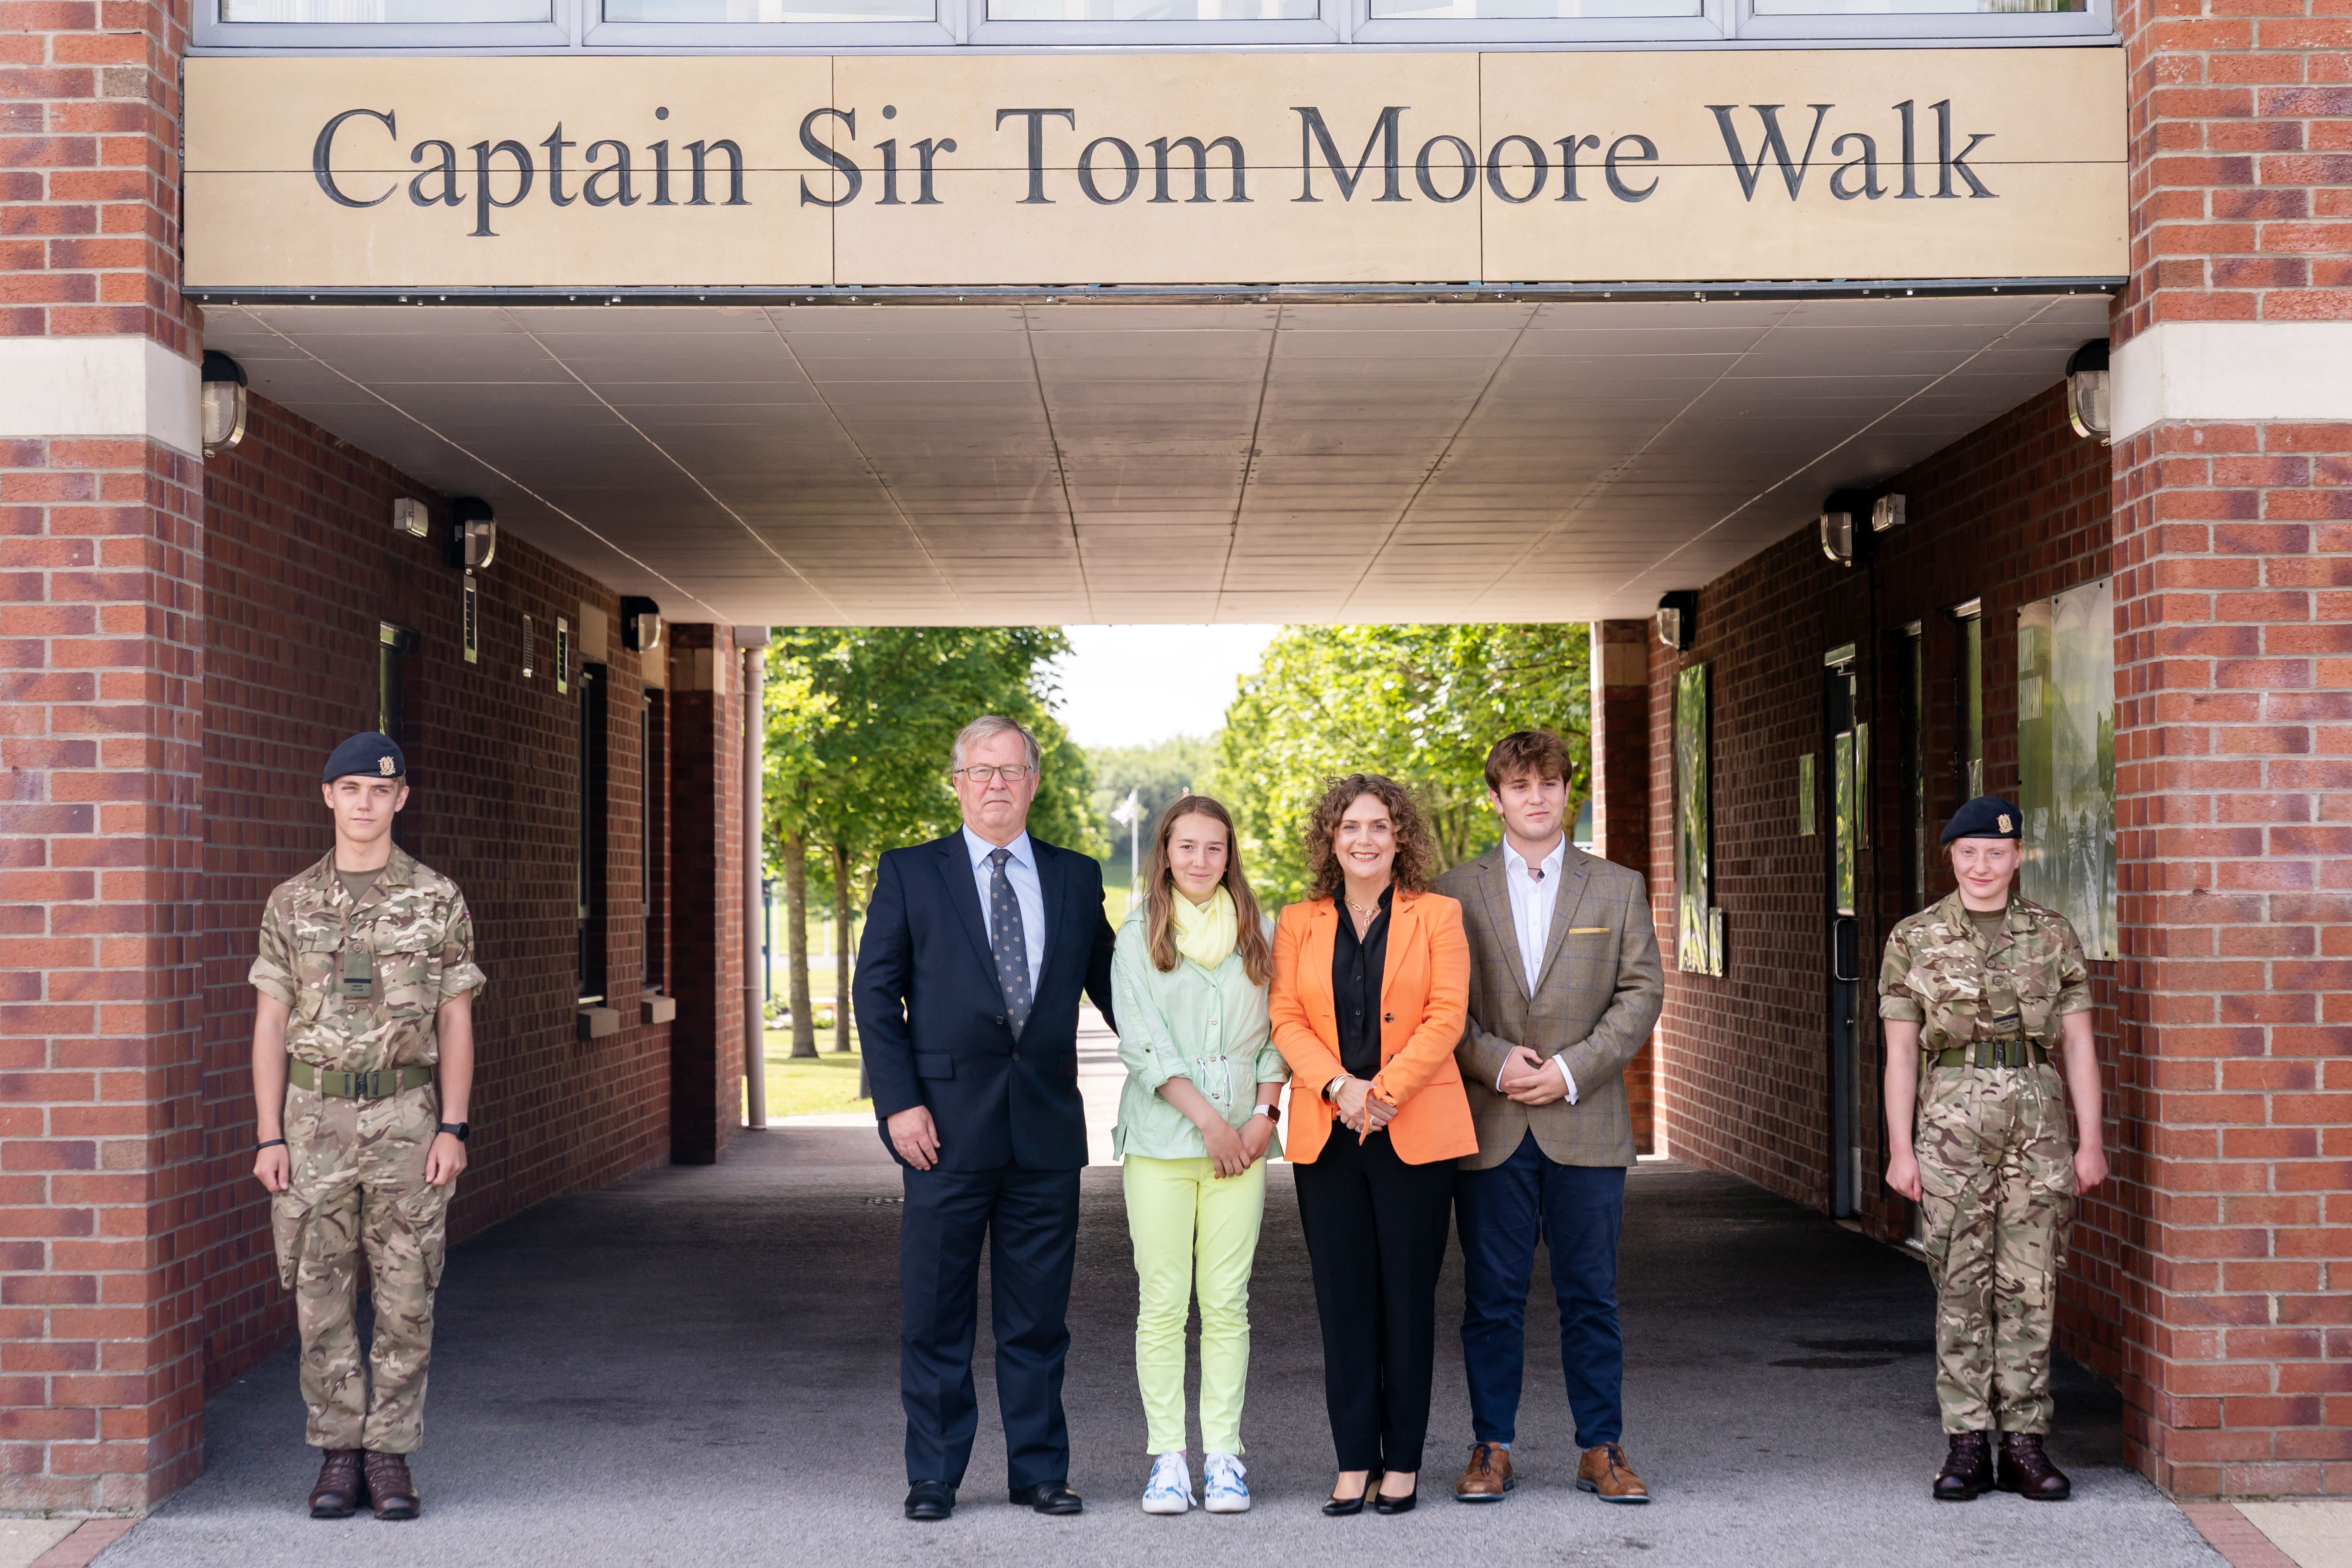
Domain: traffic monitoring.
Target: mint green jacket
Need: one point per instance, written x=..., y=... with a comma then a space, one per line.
x=1192, y=1023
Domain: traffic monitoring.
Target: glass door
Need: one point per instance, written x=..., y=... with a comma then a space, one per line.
x=1849, y=747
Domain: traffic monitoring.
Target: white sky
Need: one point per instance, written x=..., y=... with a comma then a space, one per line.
x=1130, y=686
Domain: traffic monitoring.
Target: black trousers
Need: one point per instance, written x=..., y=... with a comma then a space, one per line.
x=1028, y=1220
x=1376, y=1230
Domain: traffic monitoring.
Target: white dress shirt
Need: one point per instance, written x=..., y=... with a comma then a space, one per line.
x=1021, y=870
x=1533, y=899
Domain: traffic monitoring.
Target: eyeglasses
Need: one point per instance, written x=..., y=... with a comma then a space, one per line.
x=1011, y=774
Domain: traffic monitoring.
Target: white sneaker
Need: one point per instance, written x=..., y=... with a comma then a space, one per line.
x=1223, y=1485
x=1169, y=1489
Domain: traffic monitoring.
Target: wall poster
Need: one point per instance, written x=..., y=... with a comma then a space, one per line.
x=1699, y=926
x=2066, y=758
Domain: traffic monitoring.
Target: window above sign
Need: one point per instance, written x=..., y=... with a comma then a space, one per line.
x=694, y=26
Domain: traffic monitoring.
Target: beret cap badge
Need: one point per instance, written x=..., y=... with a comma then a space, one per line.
x=383, y=765
x=2004, y=816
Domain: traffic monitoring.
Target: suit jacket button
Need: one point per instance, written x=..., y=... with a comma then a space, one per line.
x=1388, y=1017
x=1016, y=1056
x=999, y=1020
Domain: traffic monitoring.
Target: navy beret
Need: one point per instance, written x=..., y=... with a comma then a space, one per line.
x=1987, y=817
x=378, y=756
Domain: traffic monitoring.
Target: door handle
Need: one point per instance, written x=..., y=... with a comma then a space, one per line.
x=1845, y=946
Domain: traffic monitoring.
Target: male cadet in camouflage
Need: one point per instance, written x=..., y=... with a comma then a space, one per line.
x=1979, y=985
x=367, y=980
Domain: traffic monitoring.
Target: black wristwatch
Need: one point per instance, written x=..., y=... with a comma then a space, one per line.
x=458, y=1129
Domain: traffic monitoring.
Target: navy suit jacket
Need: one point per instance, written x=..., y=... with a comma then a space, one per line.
x=931, y=1014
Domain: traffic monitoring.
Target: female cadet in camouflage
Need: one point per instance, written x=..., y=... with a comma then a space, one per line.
x=1978, y=987
x=366, y=976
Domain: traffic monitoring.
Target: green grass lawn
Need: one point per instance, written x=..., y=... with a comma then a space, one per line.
x=805, y=1087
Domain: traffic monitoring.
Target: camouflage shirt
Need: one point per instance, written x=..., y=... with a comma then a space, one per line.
x=1940, y=971
x=365, y=977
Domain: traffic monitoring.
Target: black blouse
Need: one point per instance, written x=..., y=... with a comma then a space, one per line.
x=1357, y=964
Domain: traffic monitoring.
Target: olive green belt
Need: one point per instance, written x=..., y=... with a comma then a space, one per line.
x=1994, y=1054
x=381, y=1084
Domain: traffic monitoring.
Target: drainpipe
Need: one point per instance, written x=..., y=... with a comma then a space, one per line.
x=753, y=641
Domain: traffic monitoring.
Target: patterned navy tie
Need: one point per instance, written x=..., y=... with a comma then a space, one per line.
x=1012, y=942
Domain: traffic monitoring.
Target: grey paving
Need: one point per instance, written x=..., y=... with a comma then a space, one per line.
x=700, y=1366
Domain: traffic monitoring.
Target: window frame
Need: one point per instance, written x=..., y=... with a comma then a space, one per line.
x=577, y=27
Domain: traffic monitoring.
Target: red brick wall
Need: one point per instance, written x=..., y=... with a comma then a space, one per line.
x=100, y=661
x=705, y=708
x=1620, y=798
x=303, y=564
x=2015, y=511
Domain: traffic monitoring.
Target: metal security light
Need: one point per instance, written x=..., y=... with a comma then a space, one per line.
x=641, y=625
x=409, y=517
x=1678, y=619
x=473, y=534
x=1841, y=515
x=2087, y=391
x=1886, y=513
x=224, y=401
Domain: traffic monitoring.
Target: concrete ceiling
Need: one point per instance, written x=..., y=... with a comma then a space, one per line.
x=1049, y=463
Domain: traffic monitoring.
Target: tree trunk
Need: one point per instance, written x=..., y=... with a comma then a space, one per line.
x=841, y=1011
x=796, y=942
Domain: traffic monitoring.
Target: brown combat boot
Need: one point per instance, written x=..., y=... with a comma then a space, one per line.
x=389, y=1488
x=1968, y=1468
x=1489, y=1476
x=1604, y=1472
x=340, y=1489
x=2027, y=1470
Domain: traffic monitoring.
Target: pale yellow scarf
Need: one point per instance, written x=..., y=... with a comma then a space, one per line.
x=1205, y=933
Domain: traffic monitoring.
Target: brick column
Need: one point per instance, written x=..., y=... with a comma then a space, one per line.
x=706, y=914
x=2234, y=745
x=101, y=724
x=1621, y=796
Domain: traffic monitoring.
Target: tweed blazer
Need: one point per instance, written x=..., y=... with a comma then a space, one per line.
x=1597, y=998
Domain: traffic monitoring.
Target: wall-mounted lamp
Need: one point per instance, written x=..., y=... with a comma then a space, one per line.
x=1678, y=619
x=1886, y=513
x=409, y=517
x=641, y=625
x=1841, y=515
x=473, y=534
x=224, y=401
x=2087, y=391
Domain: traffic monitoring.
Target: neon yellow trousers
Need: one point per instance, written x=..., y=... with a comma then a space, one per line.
x=1192, y=1232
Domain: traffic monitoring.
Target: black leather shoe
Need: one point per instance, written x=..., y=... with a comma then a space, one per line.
x=1049, y=1497
x=930, y=1500
x=1968, y=1468
x=1384, y=1503
x=1337, y=1507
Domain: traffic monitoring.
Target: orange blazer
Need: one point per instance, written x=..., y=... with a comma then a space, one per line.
x=1424, y=1000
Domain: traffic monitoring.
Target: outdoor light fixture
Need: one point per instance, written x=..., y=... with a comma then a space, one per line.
x=2087, y=391
x=1839, y=514
x=1678, y=619
x=409, y=517
x=641, y=625
x=1886, y=513
x=224, y=401
x=473, y=534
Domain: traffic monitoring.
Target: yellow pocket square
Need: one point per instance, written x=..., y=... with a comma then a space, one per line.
x=1588, y=930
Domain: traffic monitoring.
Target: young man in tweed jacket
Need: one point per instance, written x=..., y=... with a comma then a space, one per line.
x=1565, y=987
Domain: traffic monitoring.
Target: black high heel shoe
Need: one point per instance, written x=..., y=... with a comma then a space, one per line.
x=1382, y=1503
x=1337, y=1507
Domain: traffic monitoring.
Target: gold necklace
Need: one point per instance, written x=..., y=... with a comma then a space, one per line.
x=1369, y=912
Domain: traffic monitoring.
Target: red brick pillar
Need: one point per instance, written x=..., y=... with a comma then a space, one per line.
x=1621, y=794
x=2234, y=745
x=101, y=638
x=706, y=912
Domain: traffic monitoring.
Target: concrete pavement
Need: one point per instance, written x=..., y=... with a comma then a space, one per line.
x=698, y=1366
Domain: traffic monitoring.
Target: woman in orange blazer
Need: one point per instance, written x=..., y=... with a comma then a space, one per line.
x=1371, y=983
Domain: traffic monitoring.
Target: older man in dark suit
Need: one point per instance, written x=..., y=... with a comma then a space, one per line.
x=1565, y=987
x=977, y=948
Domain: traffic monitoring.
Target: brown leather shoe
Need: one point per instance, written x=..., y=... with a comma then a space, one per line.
x=1489, y=1476
x=2026, y=1470
x=1603, y=1471
x=1967, y=1467
x=340, y=1488
x=389, y=1488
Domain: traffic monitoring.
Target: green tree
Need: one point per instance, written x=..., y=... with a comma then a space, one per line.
x=1158, y=774
x=860, y=723
x=1420, y=703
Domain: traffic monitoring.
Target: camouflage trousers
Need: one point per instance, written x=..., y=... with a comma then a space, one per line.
x=1996, y=1191
x=359, y=1189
